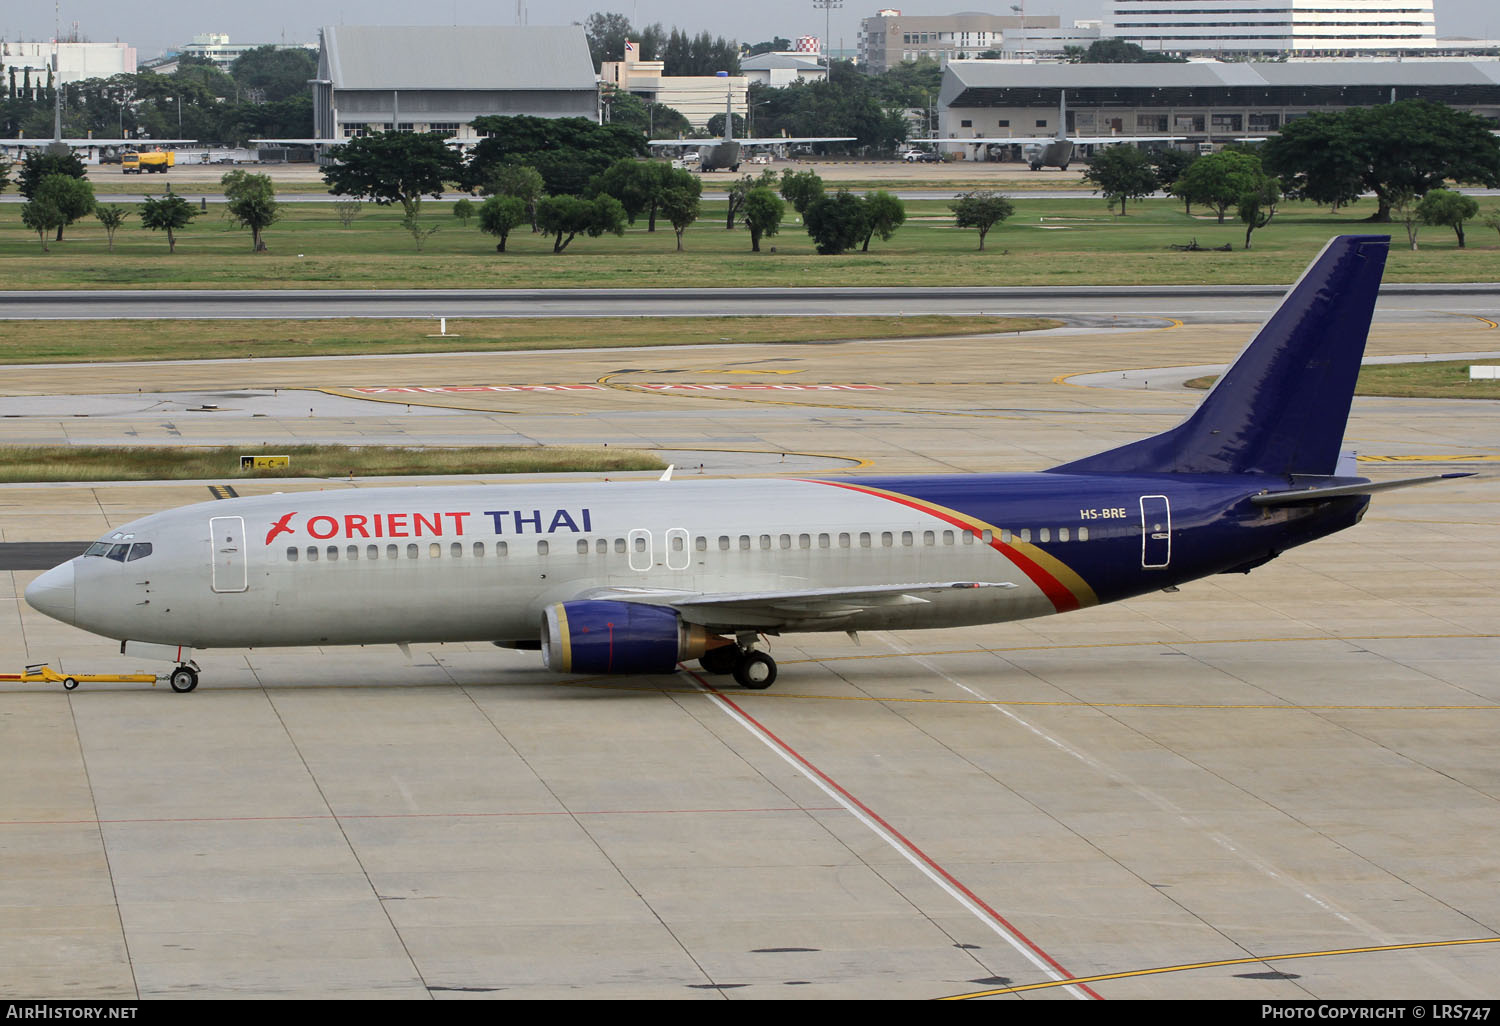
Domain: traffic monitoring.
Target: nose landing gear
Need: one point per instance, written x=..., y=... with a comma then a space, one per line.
x=183, y=679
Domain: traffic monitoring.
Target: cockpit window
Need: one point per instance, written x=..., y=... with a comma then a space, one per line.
x=114, y=547
x=140, y=550
x=117, y=552
x=97, y=549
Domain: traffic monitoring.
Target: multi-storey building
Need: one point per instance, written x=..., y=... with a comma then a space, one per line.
x=891, y=37
x=1283, y=28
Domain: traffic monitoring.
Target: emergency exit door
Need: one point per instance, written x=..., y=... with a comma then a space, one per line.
x=227, y=543
x=1156, y=531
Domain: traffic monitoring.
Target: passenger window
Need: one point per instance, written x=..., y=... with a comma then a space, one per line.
x=723, y=543
x=786, y=541
x=435, y=550
x=352, y=552
x=968, y=537
x=987, y=537
x=502, y=548
x=640, y=543
x=822, y=541
x=1044, y=534
x=372, y=551
x=411, y=550
x=456, y=549
x=602, y=546
x=620, y=545
x=312, y=553
x=479, y=548
x=1026, y=534
x=929, y=538
x=744, y=543
x=583, y=547
x=843, y=539
x=541, y=548
x=1062, y=534
x=700, y=543
x=677, y=543
x=887, y=539
x=140, y=550
x=333, y=553
x=947, y=537
x=804, y=541
x=864, y=539
x=292, y=554
x=393, y=552
x=1083, y=534
x=1005, y=536
x=765, y=541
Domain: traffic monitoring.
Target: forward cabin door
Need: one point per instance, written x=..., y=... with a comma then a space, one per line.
x=1156, y=532
x=227, y=542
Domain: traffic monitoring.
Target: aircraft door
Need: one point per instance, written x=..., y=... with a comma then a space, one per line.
x=638, y=544
x=227, y=544
x=1156, y=531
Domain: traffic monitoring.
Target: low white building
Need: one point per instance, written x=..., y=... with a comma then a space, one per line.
x=781, y=68
x=20, y=61
x=1285, y=28
x=695, y=97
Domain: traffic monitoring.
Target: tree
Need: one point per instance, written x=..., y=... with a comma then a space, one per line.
x=886, y=213
x=274, y=74
x=1219, y=180
x=4, y=175
x=1404, y=209
x=464, y=211
x=606, y=34
x=1118, y=51
x=39, y=163
x=500, y=215
x=518, y=180
x=567, y=152
x=1444, y=207
x=800, y=188
x=73, y=198
x=1120, y=172
x=837, y=223
x=763, y=213
x=250, y=202
x=111, y=217
x=41, y=217
x=982, y=209
x=171, y=213
x=679, y=201
x=1258, y=205
x=393, y=167
x=1410, y=146
x=741, y=189
x=569, y=216
x=1168, y=164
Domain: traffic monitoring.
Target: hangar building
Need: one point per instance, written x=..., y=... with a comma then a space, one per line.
x=1207, y=103
x=438, y=79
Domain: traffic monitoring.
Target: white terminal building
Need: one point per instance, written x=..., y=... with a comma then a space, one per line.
x=1291, y=28
x=21, y=62
x=695, y=97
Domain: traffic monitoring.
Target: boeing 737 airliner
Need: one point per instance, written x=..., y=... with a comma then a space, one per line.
x=638, y=577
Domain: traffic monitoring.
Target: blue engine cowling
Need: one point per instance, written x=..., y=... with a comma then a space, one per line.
x=617, y=637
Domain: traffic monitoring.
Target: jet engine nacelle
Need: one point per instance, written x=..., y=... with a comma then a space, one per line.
x=617, y=637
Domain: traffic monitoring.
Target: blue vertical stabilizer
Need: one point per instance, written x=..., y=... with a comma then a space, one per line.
x=1281, y=407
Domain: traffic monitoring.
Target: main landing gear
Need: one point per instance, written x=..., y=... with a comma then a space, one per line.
x=752, y=668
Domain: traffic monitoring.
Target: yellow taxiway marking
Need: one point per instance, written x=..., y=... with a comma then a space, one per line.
x=1221, y=963
x=624, y=386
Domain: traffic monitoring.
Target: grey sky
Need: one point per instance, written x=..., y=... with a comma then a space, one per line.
x=166, y=24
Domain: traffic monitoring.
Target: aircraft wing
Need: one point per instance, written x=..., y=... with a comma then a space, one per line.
x=777, y=140
x=733, y=610
x=99, y=142
x=1040, y=140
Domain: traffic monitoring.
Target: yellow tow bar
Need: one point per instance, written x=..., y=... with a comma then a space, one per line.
x=184, y=678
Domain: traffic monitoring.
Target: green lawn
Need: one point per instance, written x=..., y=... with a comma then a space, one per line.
x=1064, y=241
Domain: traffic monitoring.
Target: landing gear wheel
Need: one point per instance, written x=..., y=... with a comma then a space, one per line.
x=719, y=660
x=183, y=679
x=69, y=683
x=755, y=670
x=1064, y=167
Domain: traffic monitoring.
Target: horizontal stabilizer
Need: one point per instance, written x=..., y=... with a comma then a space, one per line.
x=1305, y=496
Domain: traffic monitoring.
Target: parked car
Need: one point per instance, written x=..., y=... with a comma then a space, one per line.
x=931, y=157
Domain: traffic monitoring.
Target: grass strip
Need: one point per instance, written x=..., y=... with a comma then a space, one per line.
x=40, y=463
x=1437, y=379
x=114, y=341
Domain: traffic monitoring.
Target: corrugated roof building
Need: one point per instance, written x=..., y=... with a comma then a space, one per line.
x=439, y=78
x=1202, y=101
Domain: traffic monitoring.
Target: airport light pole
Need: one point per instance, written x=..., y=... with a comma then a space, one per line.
x=827, y=6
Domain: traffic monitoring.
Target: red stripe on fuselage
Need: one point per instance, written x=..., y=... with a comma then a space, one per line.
x=1062, y=597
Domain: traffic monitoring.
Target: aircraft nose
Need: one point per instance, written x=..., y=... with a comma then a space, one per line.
x=53, y=593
